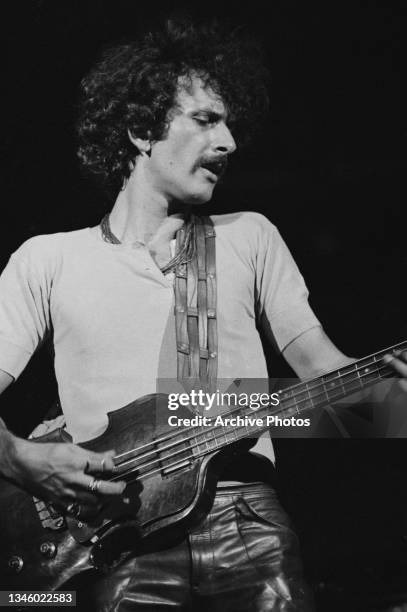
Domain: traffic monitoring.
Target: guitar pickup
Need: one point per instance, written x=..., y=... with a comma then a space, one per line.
x=172, y=460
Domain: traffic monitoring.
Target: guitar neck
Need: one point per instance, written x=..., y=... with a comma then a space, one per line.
x=335, y=385
x=240, y=422
x=304, y=396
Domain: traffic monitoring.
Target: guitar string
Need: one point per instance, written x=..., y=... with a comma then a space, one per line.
x=197, y=444
x=292, y=397
x=338, y=383
x=359, y=366
x=196, y=435
x=324, y=378
x=294, y=404
x=180, y=462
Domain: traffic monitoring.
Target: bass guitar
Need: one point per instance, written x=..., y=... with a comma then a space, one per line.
x=171, y=476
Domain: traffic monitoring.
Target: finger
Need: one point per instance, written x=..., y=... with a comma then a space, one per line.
x=79, y=490
x=403, y=384
x=65, y=494
x=97, y=463
x=79, y=496
x=397, y=364
x=104, y=487
x=88, y=499
x=101, y=487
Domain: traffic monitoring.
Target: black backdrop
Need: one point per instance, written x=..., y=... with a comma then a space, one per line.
x=328, y=169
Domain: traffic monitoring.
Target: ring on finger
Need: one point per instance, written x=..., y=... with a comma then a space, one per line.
x=94, y=485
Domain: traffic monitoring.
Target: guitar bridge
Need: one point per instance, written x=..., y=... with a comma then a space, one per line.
x=49, y=517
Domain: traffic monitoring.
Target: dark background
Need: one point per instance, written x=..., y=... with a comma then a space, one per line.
x=328, y=169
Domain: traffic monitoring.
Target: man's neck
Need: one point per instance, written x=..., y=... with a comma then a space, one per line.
x=141, y=215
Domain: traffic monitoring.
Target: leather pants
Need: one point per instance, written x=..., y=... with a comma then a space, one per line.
x=243, y=557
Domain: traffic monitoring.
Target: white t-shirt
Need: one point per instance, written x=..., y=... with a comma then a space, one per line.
x=111, y=311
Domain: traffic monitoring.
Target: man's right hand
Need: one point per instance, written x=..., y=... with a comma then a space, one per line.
x=62, y=473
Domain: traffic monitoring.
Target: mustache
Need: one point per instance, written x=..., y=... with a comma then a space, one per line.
x=216, y=164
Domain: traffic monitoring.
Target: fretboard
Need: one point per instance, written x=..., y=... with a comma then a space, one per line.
x=304, y=396
x=179, y=448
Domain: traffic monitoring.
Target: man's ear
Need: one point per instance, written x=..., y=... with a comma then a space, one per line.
x=142, y=144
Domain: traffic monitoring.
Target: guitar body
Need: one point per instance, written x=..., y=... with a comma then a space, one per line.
x=42, y=550
x=171, y=473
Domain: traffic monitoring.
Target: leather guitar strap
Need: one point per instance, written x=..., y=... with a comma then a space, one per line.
x=195, y=309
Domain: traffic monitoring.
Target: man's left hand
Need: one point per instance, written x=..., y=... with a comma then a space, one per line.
x=398, y=362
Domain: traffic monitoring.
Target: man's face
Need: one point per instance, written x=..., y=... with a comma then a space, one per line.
x=186, y=165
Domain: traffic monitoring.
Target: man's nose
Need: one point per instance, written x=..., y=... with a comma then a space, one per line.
x=224, y=141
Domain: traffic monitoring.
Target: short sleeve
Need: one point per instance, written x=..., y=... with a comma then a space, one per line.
x=283, y=307
x=24, y=307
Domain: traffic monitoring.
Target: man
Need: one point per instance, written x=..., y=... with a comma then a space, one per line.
x=159, y=120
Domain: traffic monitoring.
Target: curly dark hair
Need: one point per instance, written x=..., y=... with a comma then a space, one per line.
x=134, y=87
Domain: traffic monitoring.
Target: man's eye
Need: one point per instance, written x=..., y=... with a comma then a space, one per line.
x=202, y=120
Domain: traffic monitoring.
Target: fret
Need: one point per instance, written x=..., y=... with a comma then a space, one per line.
x=354, y=385
x=206, y=442
x=232, y=433
x=307, y=399
x=314, y=393
x=284, y=395
x=291, y=406
x=370, y=374
x=290, y=401
x=353, y=369
x=302, y=399
x=211, y=441
x=333, y=385
x=206, y=435
x=326, y=392
x=214, y=439
x=196, y=446
x=202, y=446
x=288, y=407
x=221, y=436
x=296, y=406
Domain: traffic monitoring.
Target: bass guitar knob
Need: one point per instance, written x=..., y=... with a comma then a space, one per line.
x=48, y=549
x=15, y=564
